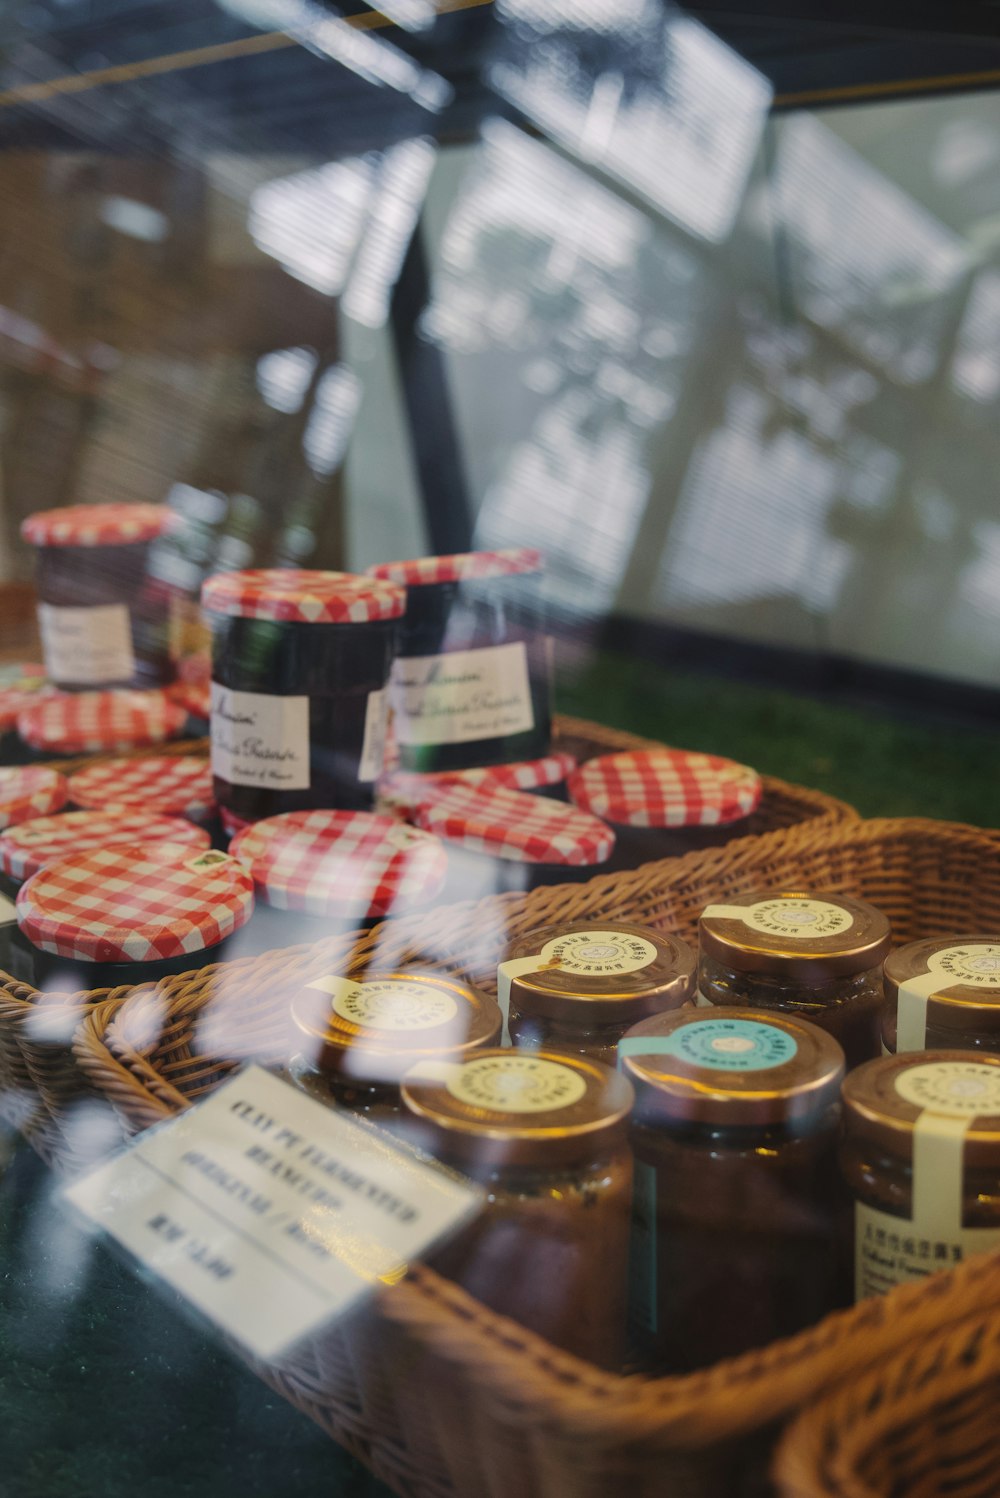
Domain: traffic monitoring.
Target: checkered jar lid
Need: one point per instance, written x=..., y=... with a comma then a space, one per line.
x=665, y=788
x=20, y=687
x=100, y=722
x=170, y=784
x=419, y=571
x=98, y=525
x=300, y=596
x=31, y=845
x=514, y=825
x=135, y=902
x=348, y=863
x=406, y=788
x=28, y=791
x=195, y=697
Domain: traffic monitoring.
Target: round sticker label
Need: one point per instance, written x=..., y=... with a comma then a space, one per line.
x=599, y=954
x=730, y=1045
x=957, y=1089
x=798, y=920
x=517, y=1084
x=976, y=964
x=388, y=1004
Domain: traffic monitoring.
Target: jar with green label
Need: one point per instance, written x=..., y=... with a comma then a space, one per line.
x=734, y=1134
x=921, y=1157
x=581, y=985
x=817, y=956
x=545, y=1133
x=943, y=995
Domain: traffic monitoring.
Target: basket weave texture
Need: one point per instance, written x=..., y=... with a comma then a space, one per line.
x=440, y=1396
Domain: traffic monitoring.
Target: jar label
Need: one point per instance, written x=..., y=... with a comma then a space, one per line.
x=87, y=645
x=721, y=1044
x=462, y=696
x=599, y=954
x=259, y=739
x=972, y=965
x=891, y=1251
x=516, y=1084
x=373, y=746
x=797, y=919
x=953, y=1089
x=388, y=1003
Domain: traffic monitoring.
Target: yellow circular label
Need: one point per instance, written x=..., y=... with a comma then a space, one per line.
x=958, y=1089
x=599, y=953
x=518, y=1083
x=975, y=964
x=387, y=1004
x=799, y=920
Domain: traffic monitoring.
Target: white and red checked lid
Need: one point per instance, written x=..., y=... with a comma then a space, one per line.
x=28, y=791
x=170, y=784
x=29, y=846
x=349, y=863
x=195, y=697
x=135, y=902
x=301, y=596
x=98, y=525
x=100, y=722
x=407, y=788
x=514, y=825
x=415, y=572
x=665, y=788
x=23, y=692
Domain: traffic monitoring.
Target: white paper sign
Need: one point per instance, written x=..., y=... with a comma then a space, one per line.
x=260, y=739
x=270, y=1212
x=87, y=645
x=463, y=696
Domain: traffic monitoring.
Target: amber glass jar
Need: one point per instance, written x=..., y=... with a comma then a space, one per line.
x=735, y=1135
x=580, y=986
x=921, y=1157
x=943, y=995
x=355, y=1035
x=544, y=1133
x=818, y=956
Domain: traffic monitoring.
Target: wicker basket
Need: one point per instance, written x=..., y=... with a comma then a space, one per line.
x=437, y=1394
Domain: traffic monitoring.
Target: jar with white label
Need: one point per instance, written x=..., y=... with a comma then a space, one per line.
x=472, y=683
x=581, y=985
x=815, y=955
x=104, y=621
x=735, y=1135
x=545, y=1133
x=943, y=994
x=921, y=1156
x=355, y=1035
x=300, y=664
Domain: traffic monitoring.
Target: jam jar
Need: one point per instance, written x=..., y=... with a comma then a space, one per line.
x=545, y=1134
x=472, y=683
x=104, y=620
x=943, y=994
x=735, y=1139
x=300, y=662
x=29, y=846
x=173, y=785
x=355, y=1035
x=921, y=1157
x=815, y=955
x=581, y=985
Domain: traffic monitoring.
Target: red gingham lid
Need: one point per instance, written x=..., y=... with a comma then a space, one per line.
x=30, y=846
x=297, y=595
x=14, y=699
x=100, y=722
x=135, y=903
x=28, y=791
x=515, y=825
x=406, y=788
x=97, y=525
x=195, y=697
x=665, y=788
x=171, y=784
x=417, y=571
x=341, y=863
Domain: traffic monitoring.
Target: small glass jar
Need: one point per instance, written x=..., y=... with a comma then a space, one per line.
x=354, y=1036
x=921, y=1157
x=580, y=986
x=104, y=621
x=544, y=1133
x=472, y=684
x=172, y=785
x=734, y=1134
x=300, y=662
x=943, y=994
x=818, y=956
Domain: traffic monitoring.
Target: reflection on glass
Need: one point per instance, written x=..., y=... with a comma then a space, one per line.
x=976, y=368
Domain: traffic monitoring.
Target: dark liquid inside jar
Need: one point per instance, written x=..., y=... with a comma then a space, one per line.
x=84, y=577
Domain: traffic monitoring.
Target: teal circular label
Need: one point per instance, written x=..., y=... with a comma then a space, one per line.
x=730, y=1044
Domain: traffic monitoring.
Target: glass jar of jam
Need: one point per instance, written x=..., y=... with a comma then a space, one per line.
x=104, y=620
x=545, y=1134
x=943, y=994
x=815, y=955
x=580, y=986
x=921, y=1157
x=472, y=684
x=173, y=785
x=300, y=662
x=735, y=1136
x=355, y=1035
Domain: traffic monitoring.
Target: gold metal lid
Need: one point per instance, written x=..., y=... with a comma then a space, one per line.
x=884, y=1098
x=967, y=972
x=795, y=935
x=600, y=972
x=730, y=1067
